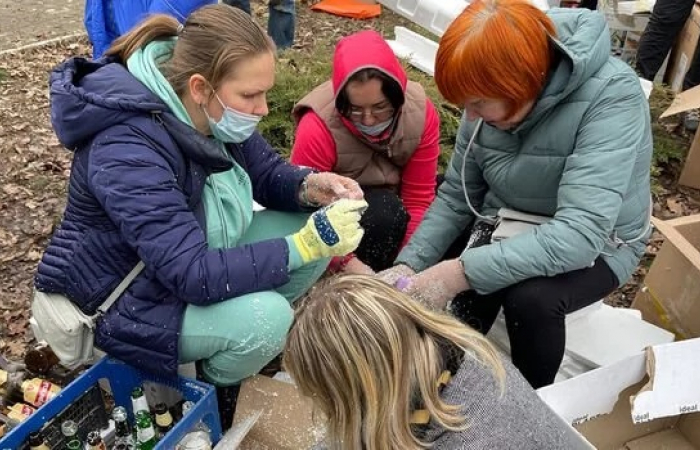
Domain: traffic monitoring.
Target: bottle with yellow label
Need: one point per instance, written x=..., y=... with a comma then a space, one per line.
x=37, y=391
x=17, y=386
x=18, y=411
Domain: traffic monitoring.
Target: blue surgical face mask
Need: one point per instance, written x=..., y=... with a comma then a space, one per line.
x=374, y=130
x=234, y=126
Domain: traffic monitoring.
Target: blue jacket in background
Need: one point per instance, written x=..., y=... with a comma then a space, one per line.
x=135, y=194
x=106, y=20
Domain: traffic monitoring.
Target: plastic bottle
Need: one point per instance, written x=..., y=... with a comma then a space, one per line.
x=199, y=438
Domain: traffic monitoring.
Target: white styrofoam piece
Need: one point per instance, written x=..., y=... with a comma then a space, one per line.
x=675, y=388
x=647, y=86
x=583, y=312
x=237, y=433
x=593, y=393
x=609, y=335
x=284, y=377
x=542, y=4
x=637, y=314
x=418, y=50
x=434, y=16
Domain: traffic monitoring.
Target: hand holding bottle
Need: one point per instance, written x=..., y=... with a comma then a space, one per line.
x=331, y=231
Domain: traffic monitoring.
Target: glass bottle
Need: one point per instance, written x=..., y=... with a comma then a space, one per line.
x=37, y=441
x=19, y=387
x=138, y=401
x=164, y=420
x=70, y=433
x=95, y=442
x=145, y=433
x=41, y=359
x=123, y=430
x=18, y=411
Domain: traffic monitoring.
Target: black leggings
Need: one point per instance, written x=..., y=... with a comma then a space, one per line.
x=665, y=24
x=535, y=310
x=385, y=223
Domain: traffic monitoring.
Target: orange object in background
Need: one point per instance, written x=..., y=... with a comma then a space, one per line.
x=354, y=9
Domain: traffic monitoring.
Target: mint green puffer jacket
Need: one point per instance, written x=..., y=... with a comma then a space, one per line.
x=582, y=156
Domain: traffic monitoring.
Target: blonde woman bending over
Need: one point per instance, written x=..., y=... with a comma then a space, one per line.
x=388, y=373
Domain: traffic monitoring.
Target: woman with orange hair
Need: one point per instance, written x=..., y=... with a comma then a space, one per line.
x=553, y=126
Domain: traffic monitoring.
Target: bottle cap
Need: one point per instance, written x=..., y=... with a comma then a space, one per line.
x=161, y=408
x=119, y=414
x=36, y=438
x=69, y=428
x=94, y=438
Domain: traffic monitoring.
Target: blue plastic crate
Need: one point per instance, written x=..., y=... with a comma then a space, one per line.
x=122, y=379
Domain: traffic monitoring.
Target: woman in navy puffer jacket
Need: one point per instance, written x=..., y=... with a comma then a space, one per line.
x=166, y=169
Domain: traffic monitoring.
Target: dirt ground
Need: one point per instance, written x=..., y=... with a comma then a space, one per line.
x=27, y=21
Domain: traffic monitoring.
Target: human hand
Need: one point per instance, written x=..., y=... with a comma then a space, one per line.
x=392, y=274
x=355, y=266
x=321, y=189
x=436, y=285
x=331, y=231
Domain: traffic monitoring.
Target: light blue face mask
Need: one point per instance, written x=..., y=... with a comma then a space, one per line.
x=234, y=126
x=374, y=130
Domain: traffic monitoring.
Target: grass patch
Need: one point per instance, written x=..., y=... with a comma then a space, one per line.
x=3, y=74
x=669, y=147
x=298, y=73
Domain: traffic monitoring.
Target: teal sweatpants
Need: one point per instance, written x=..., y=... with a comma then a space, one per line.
x=236, y=338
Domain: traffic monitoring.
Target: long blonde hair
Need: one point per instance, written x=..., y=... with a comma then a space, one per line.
x=212, y=42
x=366, y=353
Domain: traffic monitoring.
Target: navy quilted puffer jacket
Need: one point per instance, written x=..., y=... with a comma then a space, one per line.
x=135, y=194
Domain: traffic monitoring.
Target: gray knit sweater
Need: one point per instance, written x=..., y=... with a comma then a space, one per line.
x=519, y=420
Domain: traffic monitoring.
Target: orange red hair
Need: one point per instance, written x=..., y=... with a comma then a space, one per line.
x=495, y=49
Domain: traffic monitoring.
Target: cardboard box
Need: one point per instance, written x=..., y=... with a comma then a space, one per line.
x=670, y=296
x=285, y=419
x=683, y=51
x=690, y=99
x=648, y=401
x=276, y=417
x=627, y=21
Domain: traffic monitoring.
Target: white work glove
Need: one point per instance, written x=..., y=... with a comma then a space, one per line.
x=321, y=189
x=333, y=230
x=436, y=285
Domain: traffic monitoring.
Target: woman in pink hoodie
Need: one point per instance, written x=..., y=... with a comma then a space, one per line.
x=371, y=124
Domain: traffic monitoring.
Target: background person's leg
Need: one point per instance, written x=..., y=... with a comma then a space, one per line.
x=240, y=4
x=385, y=222
x=535, y=312
x=281, y=23
x=667, y=20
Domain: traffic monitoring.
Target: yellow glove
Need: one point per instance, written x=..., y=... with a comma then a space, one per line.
x=331, y=231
